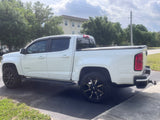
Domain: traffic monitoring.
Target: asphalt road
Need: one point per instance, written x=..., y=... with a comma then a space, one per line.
x=63, y=101
x=154, y=51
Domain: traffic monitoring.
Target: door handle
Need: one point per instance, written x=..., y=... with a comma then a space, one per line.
x=65, y=56
x=41, y=57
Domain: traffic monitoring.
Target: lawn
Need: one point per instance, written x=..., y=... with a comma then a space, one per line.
x=10, y=110
x=154, y=61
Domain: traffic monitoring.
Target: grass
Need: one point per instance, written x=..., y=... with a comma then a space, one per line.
x=154, y=61
x=10, y=110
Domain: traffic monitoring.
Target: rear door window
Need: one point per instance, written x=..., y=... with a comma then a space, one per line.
x=59, y=44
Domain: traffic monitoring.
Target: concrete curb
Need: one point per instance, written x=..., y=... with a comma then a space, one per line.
x=143, y=106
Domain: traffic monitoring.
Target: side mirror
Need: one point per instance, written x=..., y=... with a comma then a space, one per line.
x=23, y=51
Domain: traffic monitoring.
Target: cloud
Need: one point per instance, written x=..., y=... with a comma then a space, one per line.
x=146, y=12
x=60, y=5
x=79, y=8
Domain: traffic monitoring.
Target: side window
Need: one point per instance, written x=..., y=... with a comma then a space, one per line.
x=60, y=44
x=38, y=47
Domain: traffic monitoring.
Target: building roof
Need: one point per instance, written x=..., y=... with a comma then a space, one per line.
x=74, y=18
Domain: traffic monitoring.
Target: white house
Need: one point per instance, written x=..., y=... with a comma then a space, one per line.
x=72, y=25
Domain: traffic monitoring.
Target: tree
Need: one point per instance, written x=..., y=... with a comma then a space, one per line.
x=104, y=31
x=46, y=23
x=51, y=27
x=156, y=41
x=141, y=36
x=13, y=25
x=20, y=23
x=141, y=27
x=43, y=22
x=120, y=35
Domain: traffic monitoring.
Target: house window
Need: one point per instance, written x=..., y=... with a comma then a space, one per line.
x=73, y=32
x=72, y=24
x=66, y=22
x=78, y=25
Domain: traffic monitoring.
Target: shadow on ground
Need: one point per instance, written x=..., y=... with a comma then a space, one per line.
x=63, y=99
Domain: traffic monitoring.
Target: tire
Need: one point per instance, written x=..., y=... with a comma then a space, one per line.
x=95, y=87
x=11, y=78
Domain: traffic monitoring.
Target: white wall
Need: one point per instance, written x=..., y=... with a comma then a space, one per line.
x=69, y=29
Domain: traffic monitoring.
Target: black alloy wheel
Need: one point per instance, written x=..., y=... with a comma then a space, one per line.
x=94, y=87
x=11, y=78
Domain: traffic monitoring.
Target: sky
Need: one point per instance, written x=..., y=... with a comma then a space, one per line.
x=146, y=12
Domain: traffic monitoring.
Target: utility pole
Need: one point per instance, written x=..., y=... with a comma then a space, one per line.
x=131, y=32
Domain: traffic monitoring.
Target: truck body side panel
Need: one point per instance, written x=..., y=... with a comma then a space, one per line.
x=119, y=63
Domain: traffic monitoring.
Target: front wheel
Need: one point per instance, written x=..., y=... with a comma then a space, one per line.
x=95, y=87
x=11, y=78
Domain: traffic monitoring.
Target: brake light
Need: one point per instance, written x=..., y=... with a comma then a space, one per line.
x=138, y=62
x=85, y=36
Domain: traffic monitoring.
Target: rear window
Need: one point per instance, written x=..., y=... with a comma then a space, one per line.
x=85, y=43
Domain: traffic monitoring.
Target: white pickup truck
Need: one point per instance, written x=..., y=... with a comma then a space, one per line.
x=75, y=58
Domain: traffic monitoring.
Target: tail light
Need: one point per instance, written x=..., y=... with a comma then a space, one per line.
x=138, y=62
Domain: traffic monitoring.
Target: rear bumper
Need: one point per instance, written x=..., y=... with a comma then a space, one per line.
x=143, y=80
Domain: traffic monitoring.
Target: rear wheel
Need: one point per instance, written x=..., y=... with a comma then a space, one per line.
x=95, y=87
x=11, y=78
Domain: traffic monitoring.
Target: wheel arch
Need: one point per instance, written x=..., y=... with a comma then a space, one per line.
x=102, y=70
x=8, y=64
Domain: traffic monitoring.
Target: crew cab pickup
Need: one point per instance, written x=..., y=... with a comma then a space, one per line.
x=76, y=59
